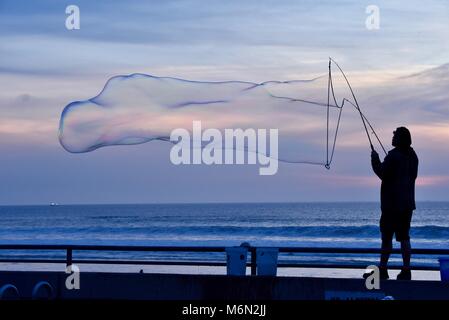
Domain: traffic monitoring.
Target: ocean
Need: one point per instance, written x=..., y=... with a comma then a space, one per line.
x=260, y=224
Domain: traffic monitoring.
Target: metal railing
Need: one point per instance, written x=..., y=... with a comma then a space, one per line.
x=69, y=260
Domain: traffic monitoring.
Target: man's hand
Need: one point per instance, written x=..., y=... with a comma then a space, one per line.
x=376, y=164
x=374, y=156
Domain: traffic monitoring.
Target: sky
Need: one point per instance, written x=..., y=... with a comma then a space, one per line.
x=400, y=74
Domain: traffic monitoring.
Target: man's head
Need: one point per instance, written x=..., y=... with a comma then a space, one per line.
x=401, y=138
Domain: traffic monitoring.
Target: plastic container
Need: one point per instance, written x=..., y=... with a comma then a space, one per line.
x=267, y=260
x=236, y=261
x=444, y=268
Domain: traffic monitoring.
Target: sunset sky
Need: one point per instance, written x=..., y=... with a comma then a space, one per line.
x=400, y=73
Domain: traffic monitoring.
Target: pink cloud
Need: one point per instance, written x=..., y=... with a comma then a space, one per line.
x=426, y=181
x=373, y=181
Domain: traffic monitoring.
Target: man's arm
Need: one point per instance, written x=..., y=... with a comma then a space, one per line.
x=381, y=169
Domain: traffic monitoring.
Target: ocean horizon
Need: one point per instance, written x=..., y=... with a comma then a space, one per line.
x=301, y=224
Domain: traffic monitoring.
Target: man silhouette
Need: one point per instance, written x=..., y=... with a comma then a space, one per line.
x=398, y=173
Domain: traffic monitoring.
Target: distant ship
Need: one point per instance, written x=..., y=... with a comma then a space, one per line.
x=53, y=204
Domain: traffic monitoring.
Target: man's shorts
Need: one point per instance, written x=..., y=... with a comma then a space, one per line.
x=395, y=223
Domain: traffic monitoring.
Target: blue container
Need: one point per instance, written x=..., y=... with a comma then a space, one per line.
x=267, y=259
x=236, y=261
x=444, y=268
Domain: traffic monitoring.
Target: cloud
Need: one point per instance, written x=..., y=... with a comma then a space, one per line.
x=284, y=34
x=432, y=181
x=345, y=180
x=353, y=180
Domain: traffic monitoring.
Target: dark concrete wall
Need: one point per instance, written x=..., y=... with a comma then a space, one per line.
x=213, y=287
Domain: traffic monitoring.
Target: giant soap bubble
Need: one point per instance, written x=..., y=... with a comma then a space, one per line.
x=139, y=108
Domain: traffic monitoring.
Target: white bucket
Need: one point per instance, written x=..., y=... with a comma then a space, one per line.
x=267, y=260
x=444, y=268
x=236, y=261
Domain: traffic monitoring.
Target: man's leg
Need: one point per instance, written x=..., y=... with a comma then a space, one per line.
x=387, y=233
x=387, y=247
x=406, y=250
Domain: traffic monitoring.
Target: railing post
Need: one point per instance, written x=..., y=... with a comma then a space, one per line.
x=69, y=257
x=253, y=261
